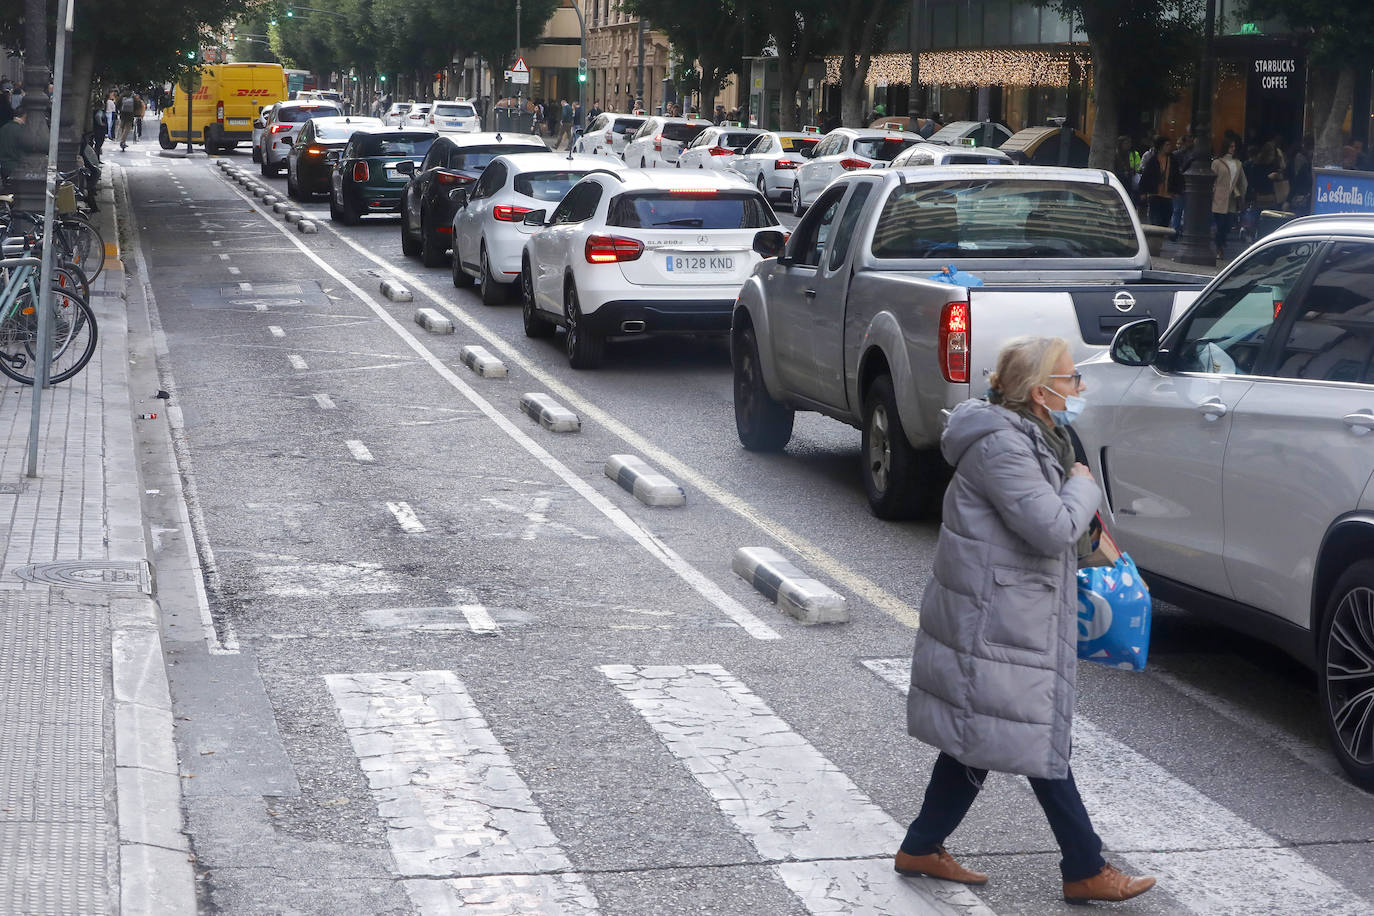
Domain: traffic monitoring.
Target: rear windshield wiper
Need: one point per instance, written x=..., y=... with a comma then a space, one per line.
x=693, y=222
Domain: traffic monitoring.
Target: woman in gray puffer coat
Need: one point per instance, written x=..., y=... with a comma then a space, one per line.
x=992, y=675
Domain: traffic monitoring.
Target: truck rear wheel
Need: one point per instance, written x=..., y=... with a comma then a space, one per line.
x=763, y=424
x=892, y=467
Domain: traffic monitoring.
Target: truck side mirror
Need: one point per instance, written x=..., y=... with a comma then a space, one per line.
x=1137, y=343
x=769, y=243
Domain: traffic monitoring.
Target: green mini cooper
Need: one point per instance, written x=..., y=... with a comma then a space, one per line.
x=368, y=176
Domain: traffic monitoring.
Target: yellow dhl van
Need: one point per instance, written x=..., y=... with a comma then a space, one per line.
x=223, y=109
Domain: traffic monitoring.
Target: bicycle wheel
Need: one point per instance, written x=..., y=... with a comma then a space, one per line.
x=74, y=338
x=86, y=245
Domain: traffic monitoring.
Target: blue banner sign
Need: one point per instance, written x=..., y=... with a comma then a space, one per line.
x=1341, y=191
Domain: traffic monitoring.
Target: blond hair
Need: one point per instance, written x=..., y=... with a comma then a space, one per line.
x=1024, y=364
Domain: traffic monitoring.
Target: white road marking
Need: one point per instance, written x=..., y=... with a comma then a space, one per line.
x=406, y=518
x=200, y=555
x=790, y=801
x=358, y=450
x=234, y=270
x=297, y=361
x=275, y=331
x=245, y=287
x=816, y=557
x=463, y=828
x=655, y=546
x=479, y=620
x=1206, y=857
x=216, y=243
x=223, y=257
x=325, y=402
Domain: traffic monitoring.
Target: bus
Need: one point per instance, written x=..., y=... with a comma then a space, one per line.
x=296, y=80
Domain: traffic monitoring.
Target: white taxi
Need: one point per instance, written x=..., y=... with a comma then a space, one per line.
x=642, y=252
x=396, y=115
x=846, y=149
x=456, y=117
x=489, y=233
x=659, y=141
x=716, y=147
x=770, y=163
x=608, y=134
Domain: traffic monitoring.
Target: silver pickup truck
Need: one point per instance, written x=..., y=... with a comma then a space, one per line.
x=846, y=320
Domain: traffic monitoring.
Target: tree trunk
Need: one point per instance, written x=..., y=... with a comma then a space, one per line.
x=1104, y=93
x=1332, y=99
x=76, y=98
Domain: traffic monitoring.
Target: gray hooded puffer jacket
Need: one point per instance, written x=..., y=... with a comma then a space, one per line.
x=992, y=675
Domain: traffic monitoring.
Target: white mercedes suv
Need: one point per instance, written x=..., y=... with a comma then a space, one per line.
x=643, y=252
x=1236, y=456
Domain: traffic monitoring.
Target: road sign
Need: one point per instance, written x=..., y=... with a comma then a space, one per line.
x=190, y=81
x=518, y=77
x=520, y=66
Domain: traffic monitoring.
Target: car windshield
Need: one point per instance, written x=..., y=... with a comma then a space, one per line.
x=1004, y=218
x=974, y=159
x=453, y=111
x=476, y=158
x=683, y=133
x=411, y=146
x=550, y=186
x=797, y=144
x=883, y=149
x=690, y=210
x=627, y=125
x=299, y=114
x=737, y=141
x=339, y=131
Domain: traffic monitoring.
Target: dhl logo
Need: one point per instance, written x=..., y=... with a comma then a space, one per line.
x=254, y=92
x=202, y=93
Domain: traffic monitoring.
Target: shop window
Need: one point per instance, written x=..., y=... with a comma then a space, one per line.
x=997, y=22
x=971, y=24
x=1054, y=28
x=1025, y=23
x=944, y=26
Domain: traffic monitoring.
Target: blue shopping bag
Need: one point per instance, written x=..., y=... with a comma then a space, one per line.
x=1114, y=615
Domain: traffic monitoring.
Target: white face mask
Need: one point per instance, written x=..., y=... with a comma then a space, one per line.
x=1073, y=407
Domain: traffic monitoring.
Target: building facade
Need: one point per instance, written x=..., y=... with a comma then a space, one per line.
x=615, y=42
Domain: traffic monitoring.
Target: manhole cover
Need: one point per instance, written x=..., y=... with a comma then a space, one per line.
x=106, y=576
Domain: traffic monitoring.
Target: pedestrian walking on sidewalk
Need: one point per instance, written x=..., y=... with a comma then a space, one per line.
x=111, y=112
x=140, y=109
x=993, y=671
x=126, y=118
x=565, y=124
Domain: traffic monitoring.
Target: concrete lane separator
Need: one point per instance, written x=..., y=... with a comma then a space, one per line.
x=796, y=593
x=307, y=227
x=293, y=216
x=270, y=198
x=482, y=362
x=428, y=318
x=650, y=487
x=548, y=413
x=280, y=206
x=395, y=291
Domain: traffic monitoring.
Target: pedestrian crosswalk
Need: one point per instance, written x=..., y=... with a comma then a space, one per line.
x=467, y=835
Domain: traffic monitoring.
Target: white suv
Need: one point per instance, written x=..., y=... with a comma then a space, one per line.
x=659, y=140
x=639, y=252
x=458, y=116
x=279, y=131
x=1237, y=462
x=716, y=147
x=842, y=150
x=489, y=232
x=608, y=134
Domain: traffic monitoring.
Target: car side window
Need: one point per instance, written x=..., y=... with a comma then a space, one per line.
x=493, y=177
x=579, y=205
x=1227, y=330
x=845, y=233
x=815, y=229
x=1331, y=337
x=598, y=124
x=646, y=129
x=437, y=156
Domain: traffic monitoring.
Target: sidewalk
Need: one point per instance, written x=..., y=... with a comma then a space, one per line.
x=90, y=812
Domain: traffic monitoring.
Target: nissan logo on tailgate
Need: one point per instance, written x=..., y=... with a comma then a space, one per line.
x=1123, y=301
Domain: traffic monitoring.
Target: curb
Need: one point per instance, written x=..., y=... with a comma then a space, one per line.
x=307, y=227
x=483, y=363
x=395, y=291
x=796, y=594
x=549, y=414
x=648, y=486
x=430, y=319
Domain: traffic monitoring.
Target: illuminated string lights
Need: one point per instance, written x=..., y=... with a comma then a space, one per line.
x=972, y=68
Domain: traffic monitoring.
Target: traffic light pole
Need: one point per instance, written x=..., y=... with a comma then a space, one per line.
x=581, y=68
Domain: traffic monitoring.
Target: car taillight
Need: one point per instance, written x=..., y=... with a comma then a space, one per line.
x=721, y=151
x=693, y=192
x=610, y=136
x=278, y=128
x=608, y=249
x=658, y=143
x=784, y=164
x=954, y=331
x=314, y=150
x=219, y=112
x=450, y=178
x=360, y=172
x=852, y=164
x=509, y=214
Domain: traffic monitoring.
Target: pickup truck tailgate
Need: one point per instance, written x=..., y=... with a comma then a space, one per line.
x=1086, y=316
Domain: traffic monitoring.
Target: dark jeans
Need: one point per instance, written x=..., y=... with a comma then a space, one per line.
x=1160, y=209
x=951, y=792
x=1222, y=223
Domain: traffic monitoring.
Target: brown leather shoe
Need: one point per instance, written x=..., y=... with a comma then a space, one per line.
x=939, y=864
x=1108, y=884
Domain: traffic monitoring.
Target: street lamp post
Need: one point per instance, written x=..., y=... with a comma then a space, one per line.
x=1195, y=245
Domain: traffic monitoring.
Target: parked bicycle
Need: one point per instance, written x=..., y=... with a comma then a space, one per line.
x=74, y=331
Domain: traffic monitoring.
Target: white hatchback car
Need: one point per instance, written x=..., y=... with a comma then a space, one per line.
x=396, y=115
x=418, y=116
x=456, y=117
x=1236, y=456
x=608, y=134
x=770, y=163
x=642, y=252
x=845, y=149
x=659, y=141
x=279, y=133
x=932, y=154
x=716, y=147
x=489, y=232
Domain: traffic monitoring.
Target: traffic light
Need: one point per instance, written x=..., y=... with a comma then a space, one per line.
x=290, y=12
x=582, y=69
x=382, y=77
x=190, y=55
